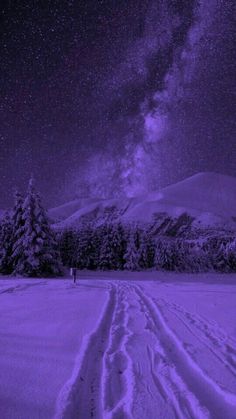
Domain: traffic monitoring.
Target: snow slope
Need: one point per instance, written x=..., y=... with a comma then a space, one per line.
x=209, y=197
x=66, y=210
x=159, y=345
x=204, y=192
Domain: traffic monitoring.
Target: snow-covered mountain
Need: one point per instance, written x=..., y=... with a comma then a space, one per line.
x=208, y=197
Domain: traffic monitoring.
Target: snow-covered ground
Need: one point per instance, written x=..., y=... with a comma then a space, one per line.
x=118, y=345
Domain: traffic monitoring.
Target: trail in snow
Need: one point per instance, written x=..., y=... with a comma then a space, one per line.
x=134, y=366
x=218, y=402
x=117, y=366
x=21, y=287
x=223, y=347
x=80, y=398
x=160, y=390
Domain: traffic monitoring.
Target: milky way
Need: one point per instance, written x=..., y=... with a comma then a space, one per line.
x=110, y=98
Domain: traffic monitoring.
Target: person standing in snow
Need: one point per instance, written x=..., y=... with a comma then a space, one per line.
x=73, y=272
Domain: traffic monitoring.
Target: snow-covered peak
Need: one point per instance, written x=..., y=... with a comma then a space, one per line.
x=204, y=192
x=208, y=196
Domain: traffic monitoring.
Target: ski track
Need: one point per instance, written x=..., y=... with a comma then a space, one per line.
x=217, y=401
x=134, y=366
x=178, y=400
x=21, y=287
x=80, y=398
x=222, y=346
x=117, y=365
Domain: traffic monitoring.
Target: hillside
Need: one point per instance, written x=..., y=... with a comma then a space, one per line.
x=66, y=210
x=205, y=192
x=209, y=198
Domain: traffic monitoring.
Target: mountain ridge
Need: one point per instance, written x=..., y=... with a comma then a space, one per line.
x=207, y=196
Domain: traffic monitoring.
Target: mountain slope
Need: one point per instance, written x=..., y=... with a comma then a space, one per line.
x=66, y=210
x=208, y=197
x=208, y=193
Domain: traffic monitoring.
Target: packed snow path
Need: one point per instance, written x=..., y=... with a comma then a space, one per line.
x=134, y=365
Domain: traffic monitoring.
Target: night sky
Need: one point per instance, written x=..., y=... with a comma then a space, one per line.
x=108, y=98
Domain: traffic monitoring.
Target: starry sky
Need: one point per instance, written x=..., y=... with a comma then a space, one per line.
x=110, y=98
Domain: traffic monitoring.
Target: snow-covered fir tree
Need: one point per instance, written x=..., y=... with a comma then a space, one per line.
x=119, y=244
x=214, y=250
x=50, y=256
x=68, y=243
x=87, y=248
x=36, y=248
x=112, y=246
x=132, y=254
x=230, y=255
x=95, y=244
x=146, y=250
x=17, y=224
x=163, y=254
x=106, y=257
x=6, y=243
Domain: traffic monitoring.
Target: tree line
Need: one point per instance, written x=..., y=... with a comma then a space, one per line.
x=115, y=246
x=29, y=246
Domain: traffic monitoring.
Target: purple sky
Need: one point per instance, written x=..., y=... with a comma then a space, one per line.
x=115, y=97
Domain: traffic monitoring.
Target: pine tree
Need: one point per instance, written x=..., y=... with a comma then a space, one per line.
x=106, y=258
x=49, y=257
x=17, y=224
x=86, y=248
x=36, y=247
x=230, y=255
x=132, y=252
x=214, y=248
x=146, y=250
x=112, y=246
x=6, y=244
x=164, y=254
x=68, y=243
x=95, y=248
x=119, y=244
x=115, y=245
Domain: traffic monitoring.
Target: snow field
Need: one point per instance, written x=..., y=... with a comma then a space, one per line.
x=115, y=346
x=42, y=326
x=142, y=368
